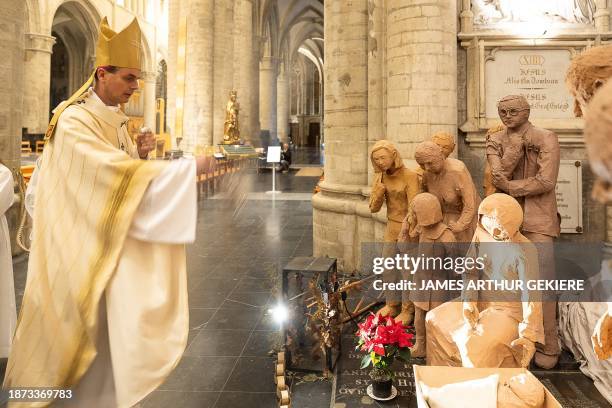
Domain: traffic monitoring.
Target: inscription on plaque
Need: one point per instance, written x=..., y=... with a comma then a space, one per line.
x=538, y=75
x=569, y=196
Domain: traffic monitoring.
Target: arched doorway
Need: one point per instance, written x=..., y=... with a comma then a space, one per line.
x=75, y=30
x=59, y=87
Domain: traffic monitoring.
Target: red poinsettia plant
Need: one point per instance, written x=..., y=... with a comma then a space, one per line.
x=383, y=340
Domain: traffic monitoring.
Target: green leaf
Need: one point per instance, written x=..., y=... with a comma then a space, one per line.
x=365, y=361
x=404, y=354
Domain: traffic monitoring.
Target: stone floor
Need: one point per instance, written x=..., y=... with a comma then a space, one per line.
x=243, y=240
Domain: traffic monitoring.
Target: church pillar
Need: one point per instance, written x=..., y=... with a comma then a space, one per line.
x=244, y=78
x=223, y=64
x=267, y=95
x=37, y=77
x=283, y=104
x=149, y=99
x=198, y=83
x=335, y=208
x=602, y=16
x=376, y=78
x=12, y=19
x=422, y=71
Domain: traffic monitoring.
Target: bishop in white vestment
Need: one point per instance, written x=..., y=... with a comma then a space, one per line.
x=105, y=309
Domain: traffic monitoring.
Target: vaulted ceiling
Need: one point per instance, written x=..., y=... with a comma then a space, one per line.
x=298, y=25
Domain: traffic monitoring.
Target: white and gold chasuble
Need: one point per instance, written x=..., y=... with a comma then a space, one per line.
x=105, y=310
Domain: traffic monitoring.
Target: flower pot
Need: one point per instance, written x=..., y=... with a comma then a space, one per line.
x=382, y=389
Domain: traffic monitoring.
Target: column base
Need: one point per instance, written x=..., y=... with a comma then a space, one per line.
x=342, y=221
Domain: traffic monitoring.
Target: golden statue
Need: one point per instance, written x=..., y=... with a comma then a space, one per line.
x=231, y=129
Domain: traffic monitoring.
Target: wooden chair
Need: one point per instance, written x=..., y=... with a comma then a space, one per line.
x=40, y=145
x=26, y=147
x=206, y=180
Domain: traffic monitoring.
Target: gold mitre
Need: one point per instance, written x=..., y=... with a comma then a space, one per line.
x=120, y=49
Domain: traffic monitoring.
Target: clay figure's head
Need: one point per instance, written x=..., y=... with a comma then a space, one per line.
x=597, y=136
x=586, y=74
x=430, y=157
x=427, y=209
x=233, y=95
x=385, y=157
x=513, y=111
x=501, y=216
x=446, y=141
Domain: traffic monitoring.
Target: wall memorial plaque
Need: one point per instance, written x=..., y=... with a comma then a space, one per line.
x=537, y=74
x=569, y=196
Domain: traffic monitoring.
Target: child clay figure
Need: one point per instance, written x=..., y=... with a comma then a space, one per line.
x=435, y=240
x=491, y=328
x=397, y=186
x=524, y=163
x=450, y=181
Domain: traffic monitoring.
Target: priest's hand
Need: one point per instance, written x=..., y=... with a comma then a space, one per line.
x=471, y=313
x=145, y=142
x=523, y=350
x=602, y=337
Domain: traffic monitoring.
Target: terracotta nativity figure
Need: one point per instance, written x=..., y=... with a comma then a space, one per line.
x=397, y=186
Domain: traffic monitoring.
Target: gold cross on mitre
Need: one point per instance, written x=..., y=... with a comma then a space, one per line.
x=122, y=49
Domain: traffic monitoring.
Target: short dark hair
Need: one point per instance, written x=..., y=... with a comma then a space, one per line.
x=109, y=68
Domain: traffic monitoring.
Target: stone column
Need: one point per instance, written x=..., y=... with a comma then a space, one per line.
x=174, y=11
x=149, y=99
x=376, y=78
x=37, y=77
x=335, y=209
x=467, y=16
x=198, y=104
x=283, y=103
x=267, y=95
x=12, y=19
x=422, y=71
x=602, y=16
x=224, y=64
x=244, y=80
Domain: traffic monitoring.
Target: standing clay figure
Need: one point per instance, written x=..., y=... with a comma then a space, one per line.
x=397, y=186
x=491, y=328
x=435, y=241
x=452, y=184
x=524, y=163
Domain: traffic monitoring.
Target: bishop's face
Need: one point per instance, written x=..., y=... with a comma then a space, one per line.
x=513, y=113
x=383, y=158
x=119, y=86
